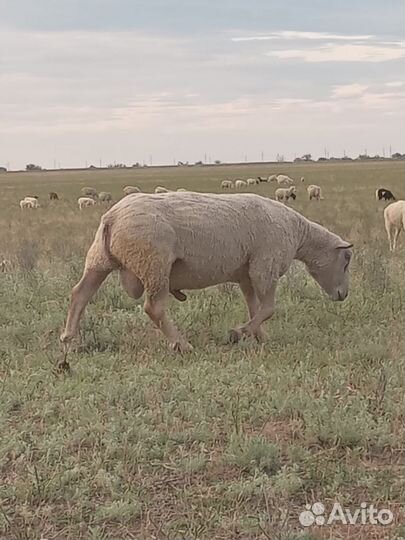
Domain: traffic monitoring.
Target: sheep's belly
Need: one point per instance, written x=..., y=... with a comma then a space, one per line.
x=185, y=275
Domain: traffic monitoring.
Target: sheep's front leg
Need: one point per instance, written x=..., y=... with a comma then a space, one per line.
x=264, y=312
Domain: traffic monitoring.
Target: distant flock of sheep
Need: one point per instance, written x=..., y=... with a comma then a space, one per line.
x=394, y=214
x=282, y=194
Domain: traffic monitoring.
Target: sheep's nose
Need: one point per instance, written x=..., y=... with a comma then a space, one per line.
x=341, y=296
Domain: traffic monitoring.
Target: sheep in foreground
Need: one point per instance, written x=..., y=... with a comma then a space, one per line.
x=89, y=192
x=239, y=184
x=394, y=218
x=53, y=196
x=226, y=184
x=314, y=192
x=284, y=194
x=252, y=181
x=196, y=240
x=105, y=196
x=27, y=203
x=160, y=189
x=284, y=180
x=384, y=194
x=131, y=189
x=84, y=202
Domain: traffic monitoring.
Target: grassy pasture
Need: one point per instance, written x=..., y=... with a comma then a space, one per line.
x=227, y=442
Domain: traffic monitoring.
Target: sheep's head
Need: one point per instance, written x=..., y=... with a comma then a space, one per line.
x=331, y=270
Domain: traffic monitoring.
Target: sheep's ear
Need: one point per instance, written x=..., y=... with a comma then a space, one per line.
x=344, y=246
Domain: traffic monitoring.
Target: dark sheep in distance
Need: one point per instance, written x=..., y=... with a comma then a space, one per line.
x=384, y=194
x=53, y=196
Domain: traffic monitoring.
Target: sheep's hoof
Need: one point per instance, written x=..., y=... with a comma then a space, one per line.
x=179, y=295
x=181, y=348
x=235, y=335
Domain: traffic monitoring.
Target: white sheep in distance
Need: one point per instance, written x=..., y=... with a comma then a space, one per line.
x=105, y=196
x=84, y=202
x=25, y=203
x=89, y=192
x=314, y=192
x=272, y=178
x=252, y=181
x=160, y=189
x=284, y=194
x=181, y=189
x=239, y=184
x=394, y=218
x=302, y=179
x=160, y=249
x=226, y=184
x=284, y=180
x=131, y=189
x=33, y=202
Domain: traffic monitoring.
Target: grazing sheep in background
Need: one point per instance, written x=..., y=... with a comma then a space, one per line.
x=252, y=181
x=284, y=194
x=89, y=192
x=83, y=202
x=226, y=184
x=272, y=178
x=314, y=192
x=197, y=240
x=181, y=189
x=394, y=218
x=131, y=189
x=239, y=184
x=105, y=196
x=284, y=180
x=262, y=179
x=302, y=179
x=24, y=203
x=384, y=194
x=161, y=189
x=33, y=201
x=53, y=196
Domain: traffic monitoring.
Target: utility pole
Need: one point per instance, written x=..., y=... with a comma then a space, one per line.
x=390, y=151
x=262, y=156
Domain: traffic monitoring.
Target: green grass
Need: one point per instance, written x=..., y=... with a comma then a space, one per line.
x=225, y=442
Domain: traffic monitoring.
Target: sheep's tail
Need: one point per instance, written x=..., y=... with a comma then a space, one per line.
x=106, y=242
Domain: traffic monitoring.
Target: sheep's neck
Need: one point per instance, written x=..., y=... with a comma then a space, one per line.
x=314, y=239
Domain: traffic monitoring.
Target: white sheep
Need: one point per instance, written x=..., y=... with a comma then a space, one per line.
x=89, y=192
x=33, y=201
x=272, y=178
x=284, y=194
x=284, y=180
x=252, y=181
x=239, y=184
x=160, y=249
x=83, y=202
x=160, y=189
x=131, y=189
x=226, y=184
x=302, y=179
x=394, y=218
x=28, y=203
x=181, y=189
x=105, y=196
x=314, y=192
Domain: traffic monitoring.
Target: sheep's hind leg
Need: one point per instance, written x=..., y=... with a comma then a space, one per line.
x=155, y=307
x=132, y=285
x=81, y=295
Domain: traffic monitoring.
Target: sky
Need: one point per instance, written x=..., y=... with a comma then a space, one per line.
x=158, y=81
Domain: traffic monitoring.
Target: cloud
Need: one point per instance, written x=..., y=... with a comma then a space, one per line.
x=345, y=91
x=342, y=53
x=296, y=35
